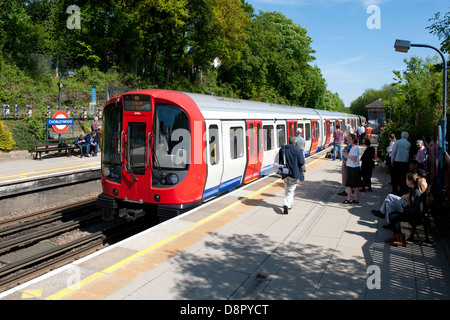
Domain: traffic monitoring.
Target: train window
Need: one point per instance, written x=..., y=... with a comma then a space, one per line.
x=307, y=134
x=302, y=126
x=172, y=139
x=258, y=137
x=214, y=144
x=236, y=142
x=268, y=138
x=111, y=158
x=281, y=129
x=251, y=137
x=136, y=147
x=291, y=129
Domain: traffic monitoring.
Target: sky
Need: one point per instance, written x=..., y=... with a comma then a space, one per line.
x=354, y=39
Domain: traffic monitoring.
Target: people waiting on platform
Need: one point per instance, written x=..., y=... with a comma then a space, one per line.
x=95, y=127
x=361, y=132
x=367, y=165
x=369, y=131
x=394, y=203
x=80, y=142
x=353, y=182
x=338, y=136
x=91, y=144
x=344, y=167
x=421, y=155
x=407, y=213
x=301, y=142
x=399, y=163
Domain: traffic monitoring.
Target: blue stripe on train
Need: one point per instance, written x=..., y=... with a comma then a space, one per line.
x=224, y=186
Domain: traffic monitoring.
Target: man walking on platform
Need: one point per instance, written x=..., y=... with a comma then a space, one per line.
x=295, y=160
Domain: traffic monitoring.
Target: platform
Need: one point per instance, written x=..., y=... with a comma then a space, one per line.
x=26, y=183
x=20, y=169
x=241, y=247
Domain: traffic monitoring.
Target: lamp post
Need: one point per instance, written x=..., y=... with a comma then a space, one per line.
x=392, y=102
x=404, y=46
x=409, y=103
x=65, y=74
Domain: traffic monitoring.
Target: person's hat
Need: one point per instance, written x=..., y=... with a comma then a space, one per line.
x=299, y=130
x=421, y=173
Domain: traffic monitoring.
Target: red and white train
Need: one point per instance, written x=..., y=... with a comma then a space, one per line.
x=165, y=152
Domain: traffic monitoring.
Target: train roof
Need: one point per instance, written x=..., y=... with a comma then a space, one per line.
x=214, y=107
x=232, y=108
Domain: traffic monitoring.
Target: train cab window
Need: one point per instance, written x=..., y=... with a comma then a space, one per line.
x=268, y=137
x=172, y=142
x=111, y=157
x=281, y=130
x=236, y=142
x=214, y=144
x=307, y=134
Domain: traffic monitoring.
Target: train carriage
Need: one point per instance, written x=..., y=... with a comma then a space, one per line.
x=166, y=151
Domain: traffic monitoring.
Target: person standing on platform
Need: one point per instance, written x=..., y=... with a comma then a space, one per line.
x=300, y=140
x=338, y=136
x=367, y=165
x=295, y=160
x=95, y=127
x=392, y=141
x=361, y=131
x=353, y=182
x=421, y=155
x=400, y=163
x=369, y=131
x=344, y=166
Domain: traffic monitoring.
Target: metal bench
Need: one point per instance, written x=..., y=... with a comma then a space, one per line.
x=53, y=145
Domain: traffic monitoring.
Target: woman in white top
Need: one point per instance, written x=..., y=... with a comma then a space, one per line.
x=353, y=182
x=389, y=155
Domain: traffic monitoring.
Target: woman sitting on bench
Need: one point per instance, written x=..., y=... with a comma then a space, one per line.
x=407, y=213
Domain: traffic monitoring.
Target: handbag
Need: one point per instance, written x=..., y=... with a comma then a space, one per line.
x=283, y=169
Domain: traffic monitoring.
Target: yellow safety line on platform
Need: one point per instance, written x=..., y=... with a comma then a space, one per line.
x=27, y=174
x=61, y=294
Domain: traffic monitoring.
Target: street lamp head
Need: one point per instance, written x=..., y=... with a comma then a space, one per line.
x=68, y=74
x=402, y=45
x=394, y=91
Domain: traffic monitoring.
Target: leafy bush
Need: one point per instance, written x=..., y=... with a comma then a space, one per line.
x=6, y=141
x=22, y=135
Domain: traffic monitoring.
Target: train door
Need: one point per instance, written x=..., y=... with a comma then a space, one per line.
x=292, y=128
x=307, y=136
x=314, y=136
x=135, y=139
x=233, y=154
x=214, y=158
x=327, y=133
x=254, y=150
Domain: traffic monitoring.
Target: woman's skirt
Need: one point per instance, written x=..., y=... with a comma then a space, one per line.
x=353, y=177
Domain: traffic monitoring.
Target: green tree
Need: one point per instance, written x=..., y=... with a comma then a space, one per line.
x=441, y=28
x=275, y=64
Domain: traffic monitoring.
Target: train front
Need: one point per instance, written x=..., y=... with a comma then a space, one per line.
x=152, y=155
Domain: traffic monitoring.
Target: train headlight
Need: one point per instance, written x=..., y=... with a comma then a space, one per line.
x=172, y=179
x=106, y=171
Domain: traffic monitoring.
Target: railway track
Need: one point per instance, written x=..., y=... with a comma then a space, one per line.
x=28, y=249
